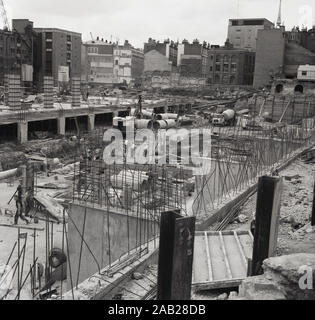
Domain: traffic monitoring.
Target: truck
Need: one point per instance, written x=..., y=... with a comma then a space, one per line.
x=226, y=118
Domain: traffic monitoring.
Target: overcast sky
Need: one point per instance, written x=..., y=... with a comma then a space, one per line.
x=137, y=20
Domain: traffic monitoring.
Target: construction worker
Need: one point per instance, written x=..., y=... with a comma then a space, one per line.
x=19, y=210
x=19, y=190
x=28, y=201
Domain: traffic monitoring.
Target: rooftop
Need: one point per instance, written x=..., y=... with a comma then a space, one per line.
x=56, y=30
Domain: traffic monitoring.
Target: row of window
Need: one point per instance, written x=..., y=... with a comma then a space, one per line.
x=49, y=36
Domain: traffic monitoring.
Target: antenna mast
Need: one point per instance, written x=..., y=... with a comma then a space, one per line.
x=279, y=20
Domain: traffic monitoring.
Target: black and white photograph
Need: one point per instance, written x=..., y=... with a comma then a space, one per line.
x=157, y=152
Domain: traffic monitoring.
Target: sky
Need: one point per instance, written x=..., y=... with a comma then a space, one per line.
x=137, y=20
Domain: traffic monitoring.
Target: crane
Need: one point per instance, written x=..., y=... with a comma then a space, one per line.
x=4, y=15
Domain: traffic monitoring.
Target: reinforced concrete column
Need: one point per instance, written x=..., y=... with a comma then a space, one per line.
x=14, y=96
x=22, y=132
x=91, y=122
x=48, y=92
x=76, y=92
x=61, y=125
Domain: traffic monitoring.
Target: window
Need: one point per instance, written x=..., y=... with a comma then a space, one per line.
x=218, y=58
x=49, y=35
x=49, y=45
x=304, y=73
x=218, y=67
x=69, y=38
x=93, y=50
x=68, y=47
x=116, y=62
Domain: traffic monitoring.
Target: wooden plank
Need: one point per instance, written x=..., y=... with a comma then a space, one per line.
x=210, y=274
x=21, y=227
x=225, y=256
x=217, y=284
x=240, y=248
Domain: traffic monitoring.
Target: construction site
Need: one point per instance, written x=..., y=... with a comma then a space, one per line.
x=94, y=229
x=238, y=224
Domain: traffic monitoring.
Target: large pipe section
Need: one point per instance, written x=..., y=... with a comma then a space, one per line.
x=165, y=116
x=8, y=174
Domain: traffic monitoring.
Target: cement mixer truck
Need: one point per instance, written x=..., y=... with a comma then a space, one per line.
x=226, y=118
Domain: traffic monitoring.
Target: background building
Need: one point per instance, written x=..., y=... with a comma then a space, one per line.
x=100, y=61
x=58, y=53
x=193, y=59
x=107, y=63
x=279, y=55
x=160, y=56
x=137, y=65
x=230, y=66
x=242, y=33
x=16, y=50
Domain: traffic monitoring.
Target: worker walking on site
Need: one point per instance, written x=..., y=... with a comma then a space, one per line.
x=28, y=202
x=19, y=211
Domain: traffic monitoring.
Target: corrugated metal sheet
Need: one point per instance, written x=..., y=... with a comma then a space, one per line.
x=220, y=258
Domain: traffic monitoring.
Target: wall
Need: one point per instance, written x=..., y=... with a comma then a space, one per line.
x=107, y=235
x=165, y=80
x=269, y=56
x=137, y=64
x=155, y=61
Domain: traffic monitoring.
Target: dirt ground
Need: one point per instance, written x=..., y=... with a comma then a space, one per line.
x=295, y=234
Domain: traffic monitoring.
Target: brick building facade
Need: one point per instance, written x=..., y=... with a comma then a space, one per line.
x=193, y=59
x=230, y=66
x=57, y=48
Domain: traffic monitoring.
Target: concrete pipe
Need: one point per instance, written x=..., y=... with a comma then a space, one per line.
x=8, y=174
x=142, y=124
x=170, y=123
x=165, y=116
x=158, y=124
x=147, y=113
